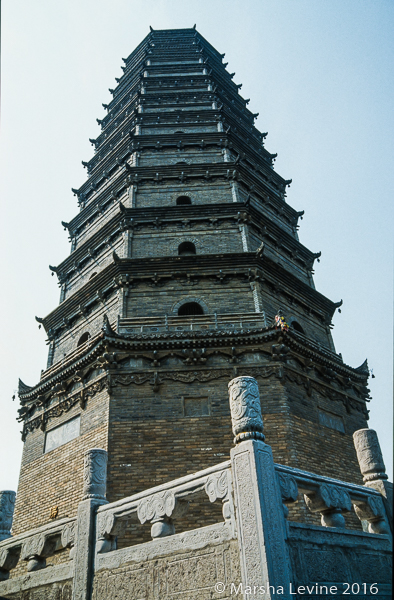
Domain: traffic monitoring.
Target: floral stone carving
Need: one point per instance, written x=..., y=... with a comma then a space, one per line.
x=160, y=509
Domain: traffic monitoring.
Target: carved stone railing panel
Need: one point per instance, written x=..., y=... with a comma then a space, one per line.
x=161, y=506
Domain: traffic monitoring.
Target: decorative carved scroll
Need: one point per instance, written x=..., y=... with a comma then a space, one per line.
x=160, y=509
x=8, y=560
x=245, y=409
x=217, y=486
x=108, y=528
x=288, y=489
x=68, y=535
x=36, y=548
x=330, y=501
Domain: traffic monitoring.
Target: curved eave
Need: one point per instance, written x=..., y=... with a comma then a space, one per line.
x=299, y=345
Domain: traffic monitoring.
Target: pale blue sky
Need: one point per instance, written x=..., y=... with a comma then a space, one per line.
x=319, y=72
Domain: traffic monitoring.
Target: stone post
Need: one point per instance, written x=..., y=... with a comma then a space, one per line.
x=94, y=490
x=372, y=467
x=7, y=505
x=260, y=519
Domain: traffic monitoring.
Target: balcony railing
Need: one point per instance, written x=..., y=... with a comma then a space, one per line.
x=161, y=324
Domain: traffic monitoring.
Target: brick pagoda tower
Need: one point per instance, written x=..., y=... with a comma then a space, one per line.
x=183, y=252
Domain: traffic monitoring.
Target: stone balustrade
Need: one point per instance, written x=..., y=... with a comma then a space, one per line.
x=151, y=325
x=163, y=505
x=332, y=497
x=36, y=546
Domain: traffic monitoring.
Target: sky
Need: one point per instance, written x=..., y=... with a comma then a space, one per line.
x=320, y=74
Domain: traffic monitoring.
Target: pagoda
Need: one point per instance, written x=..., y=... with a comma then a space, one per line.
x=185, y=271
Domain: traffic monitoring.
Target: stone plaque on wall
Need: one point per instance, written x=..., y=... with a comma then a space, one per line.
x=196, y=407
x=331, y=421
x=62, y=434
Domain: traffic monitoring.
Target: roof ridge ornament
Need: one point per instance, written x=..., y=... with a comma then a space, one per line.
x=363, y=368
x=23, y=388
x=106, y=326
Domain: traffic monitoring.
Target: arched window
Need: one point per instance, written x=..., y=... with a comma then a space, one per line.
x=295, y=325
x=182, y=162
x=93, y=275
x=84, y=338
x=186, y=249
x=189, y=309
x=182, y=200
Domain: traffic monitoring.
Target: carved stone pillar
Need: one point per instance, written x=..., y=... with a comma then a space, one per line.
x=369, y=455
x=94, y=489
x=245, y=409
x=372, y=468
x=260, y=520
x=95, y=474
x=7, y=505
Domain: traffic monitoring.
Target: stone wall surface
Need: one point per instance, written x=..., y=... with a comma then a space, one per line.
x=54, y=479
x=340, y=559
